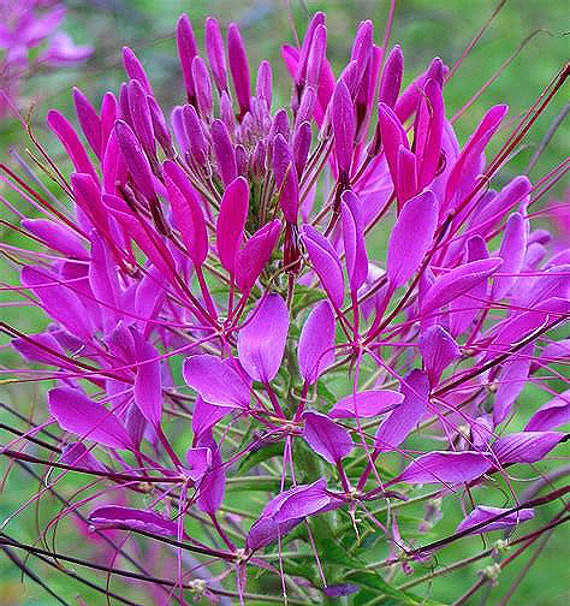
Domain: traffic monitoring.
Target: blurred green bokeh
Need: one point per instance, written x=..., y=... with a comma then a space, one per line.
x=424, y=28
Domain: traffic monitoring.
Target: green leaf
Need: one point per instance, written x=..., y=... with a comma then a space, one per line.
x=328, y=546
x=374, y=584
x=264, y=484
x=324, y=393
x=261, y=454
x=305, y=296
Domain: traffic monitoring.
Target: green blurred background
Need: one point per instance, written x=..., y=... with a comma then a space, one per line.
x=425, y=29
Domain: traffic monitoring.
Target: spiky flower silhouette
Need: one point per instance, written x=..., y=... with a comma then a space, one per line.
x=219, y=322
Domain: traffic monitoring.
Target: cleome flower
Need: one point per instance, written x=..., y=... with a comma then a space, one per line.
x=219, y=316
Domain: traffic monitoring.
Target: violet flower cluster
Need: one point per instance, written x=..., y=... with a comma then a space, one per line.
x=30, y=37
x=220, y=316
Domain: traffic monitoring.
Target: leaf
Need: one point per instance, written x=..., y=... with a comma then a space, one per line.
x=328, y=546
x=377, y=586
x=260, y=455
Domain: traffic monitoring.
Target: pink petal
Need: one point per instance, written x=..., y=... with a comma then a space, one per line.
x=256, y=252
x=512, y=252
x=231, y=221
x=261, y=341
x=136, y=519
x=366, y=404
x=326, y=263
x=457, y=282
x=483, y=513
x=554, y=413
x=438, y=349
x=76, y=413
x=445, y=468
x=187, y=213
x=326, y=438
x=411, y=237
x=526, y=446
x=401, y=421
x=216, y=382
x=354, y=244
x=315, y=351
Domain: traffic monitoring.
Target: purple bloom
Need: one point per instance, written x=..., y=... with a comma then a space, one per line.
x=280, y=313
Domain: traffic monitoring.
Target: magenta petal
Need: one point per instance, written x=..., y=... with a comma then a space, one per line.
x=187, y=213
x=135, y=70
x=59, y=301
x=411, y=237
x=76, y=413
x=401, y=421
x=301, y=146
x=438, y=349
x=217, y=383
x=256, y=252
x=315, y=351
x=483, y=513
x=56, y=236
x=135, y=519
x=39, y=347
x=104, y=282
x=326, y=263
x=261, y=341
x=289, y=195
x=148, y=386
x=512, y=252
x=407, y=171
x=285, y=511
x=445, y=468
x=225, y=152
x=366, y=404
x=354, y=243
x=326, y=438
x=203, y=87
x=140, y=116
x=393, y=136
x=457, y=282
x=71, y=142
x=205, y=416
x=135, y=158
x=264, y=84
x=392, y=77
x=213, y=485
x=79, y=456
x=231, y=221
x=216, y=54
x=430, y=126
x=526, y=446
x=519, y=325
x=239, y=67
x=89, y=120
x=187, y=50
x=316, y=55
x=198, y=460
x=554, y=413
x=344, y=126
x=194, y=131
x=475, y=146
x=146, y=238
x=511, y=381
